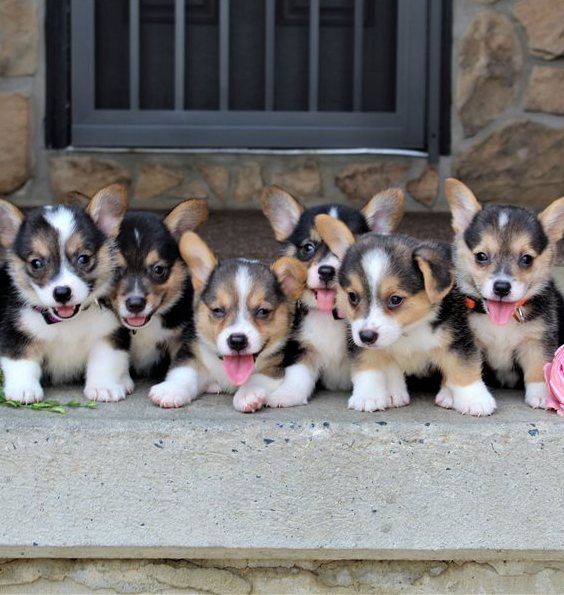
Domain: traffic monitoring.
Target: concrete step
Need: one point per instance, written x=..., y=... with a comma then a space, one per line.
x=131, y=480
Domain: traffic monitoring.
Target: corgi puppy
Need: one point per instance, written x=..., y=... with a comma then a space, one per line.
x=405, y=317
x=153, y=292
x=243, y=314
x=320, y=332
x=60, y=262
x=504, y=256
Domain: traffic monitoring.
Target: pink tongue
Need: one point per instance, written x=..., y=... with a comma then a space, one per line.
x=238, y=368
x=325, y=299
x=136, y=320
x=500, y=312
x=64, y=311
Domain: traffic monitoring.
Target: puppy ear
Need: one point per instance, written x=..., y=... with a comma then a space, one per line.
x=200, y=259
x=187, y=216
x=462, y=203
x=282, y=210
x=291, y=274
x=552, y=220
x=335, y=234
x=76, y=198
x=10, y=220
x=107, y=208
x=384, y=210
x=436, y=267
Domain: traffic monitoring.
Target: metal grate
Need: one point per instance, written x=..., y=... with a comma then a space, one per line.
x=254, y=73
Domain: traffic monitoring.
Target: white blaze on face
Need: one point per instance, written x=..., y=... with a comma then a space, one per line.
x=63, y=221
x=243, y=323
x=334, y=212
x=375, y=266
x=503, y=219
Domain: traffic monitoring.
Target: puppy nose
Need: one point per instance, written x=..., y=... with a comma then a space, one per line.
x=368, y=337
x=62, y=293
x=502, y=288
x=237, y=341
x=135, y=303
x=326, y=273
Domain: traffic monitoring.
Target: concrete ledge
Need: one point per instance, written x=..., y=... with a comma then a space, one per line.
x=321, y=482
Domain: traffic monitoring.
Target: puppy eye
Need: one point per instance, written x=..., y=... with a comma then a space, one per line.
x=158, y=271
x=526, y=260
x=83, y=260
x=482, y=257
x=262, y=313
x=119, y=272
x=394, y=301
x=218, y=312
x=306, y=250
x=354, y=299
x=37, y=264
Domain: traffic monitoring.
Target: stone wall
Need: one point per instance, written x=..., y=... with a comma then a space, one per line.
x=277, y=576
x=507, y=126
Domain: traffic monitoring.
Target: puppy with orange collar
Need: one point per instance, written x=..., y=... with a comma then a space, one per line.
x=504, y=256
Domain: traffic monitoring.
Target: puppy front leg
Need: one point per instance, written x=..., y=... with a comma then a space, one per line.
x=463, y=388
x=182, y=385
x=298, y=383
x=107, y=373
x=532, y=359
x=369, y=378
x=22, y=380
x=252, y=396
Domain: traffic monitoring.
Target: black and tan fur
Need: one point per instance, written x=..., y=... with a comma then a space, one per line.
x=504, y=256
x=320, y=333
x=153, y=292
x=405, y=317
x=242, y=308
x=60, y=263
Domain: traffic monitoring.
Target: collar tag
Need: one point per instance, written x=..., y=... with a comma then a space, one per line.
x=519, y=315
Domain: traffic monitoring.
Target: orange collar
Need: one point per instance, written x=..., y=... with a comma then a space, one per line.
x=518, y=314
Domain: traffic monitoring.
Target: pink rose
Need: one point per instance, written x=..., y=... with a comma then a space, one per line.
x=554, y=375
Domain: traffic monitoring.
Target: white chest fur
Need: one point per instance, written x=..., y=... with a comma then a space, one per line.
x=329, y=338
x=66, y=345
x=500, y=344
x=147, y=344
x=413, y=350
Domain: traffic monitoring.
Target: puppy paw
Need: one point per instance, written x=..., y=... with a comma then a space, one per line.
x=399, y=399
x=536, y=395
x=444, y=398
x=374, y=401
x=168, y=394
x=283, y=398
x=474, y=399
x=213, y=389
x=249, y=400
x=22, y=393
x=108, y=394
x=128, y=384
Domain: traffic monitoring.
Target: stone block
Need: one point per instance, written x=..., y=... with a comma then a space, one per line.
x=155, y=179
x=361, y=181
x=489, y=64
x=424, y=188
x=545, y=92
x=303, y=180
x=248, y=183
x=217, y=178
x=19, y=27
x=15, y=135
x=543, y=21
x=84, y=174
x=519, y=163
